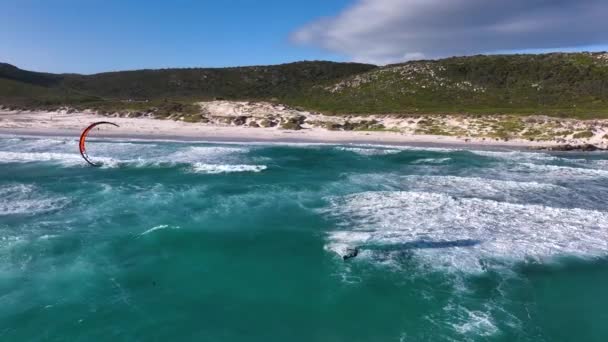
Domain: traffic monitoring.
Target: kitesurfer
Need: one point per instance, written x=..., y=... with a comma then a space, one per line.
x=351, y=252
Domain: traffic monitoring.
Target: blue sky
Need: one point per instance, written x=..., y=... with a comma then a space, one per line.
x=94, y=35
x=88, y=36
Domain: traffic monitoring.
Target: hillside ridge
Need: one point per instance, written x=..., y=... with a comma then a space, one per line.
x=557, y=84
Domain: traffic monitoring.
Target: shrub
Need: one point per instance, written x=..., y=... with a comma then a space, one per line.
x=583, y=135
x=292, y=124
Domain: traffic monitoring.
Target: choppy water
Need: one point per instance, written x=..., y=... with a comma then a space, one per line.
x=233, y=242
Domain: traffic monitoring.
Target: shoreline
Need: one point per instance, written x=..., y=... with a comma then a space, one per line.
x=283, y=141
x=145, y=128
x=227, y=138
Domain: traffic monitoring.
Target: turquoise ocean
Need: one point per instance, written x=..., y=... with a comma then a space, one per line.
x=200, y=241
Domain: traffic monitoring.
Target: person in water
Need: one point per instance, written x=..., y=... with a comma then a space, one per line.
x=350, y=253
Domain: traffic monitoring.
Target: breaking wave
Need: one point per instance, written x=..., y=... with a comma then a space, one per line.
x=215, y=168
x=27, y=199
x=432, y=161
x=516, y=155
x=464, y=234
x=159, y=227
x=369, y=151
x=496, y=189
x=29, y=157
x=125, y=154
x=560, y=171
x=196, y=154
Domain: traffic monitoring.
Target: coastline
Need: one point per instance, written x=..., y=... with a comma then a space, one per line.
x=146, y=128
x=252, y=135
x=261, y=141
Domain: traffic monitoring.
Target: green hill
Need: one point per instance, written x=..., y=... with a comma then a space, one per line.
x=567, y=84
x=558, y=84
x=128, y=88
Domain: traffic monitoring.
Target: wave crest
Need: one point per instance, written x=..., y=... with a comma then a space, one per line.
x=428, y=225
x=218, y=168
x=27, y=199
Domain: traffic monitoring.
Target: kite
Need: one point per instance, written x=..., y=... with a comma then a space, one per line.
x=83, y=137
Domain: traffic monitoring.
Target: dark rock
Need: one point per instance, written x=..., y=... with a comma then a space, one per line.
x=267, y=123
x=292, y=124
x=568, y=147
x=590, y=148
x=348, y=126
x=333, y=126
x=254, y=124
x=239, y=120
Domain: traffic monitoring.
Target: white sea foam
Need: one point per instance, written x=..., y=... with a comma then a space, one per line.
x=472, y=322
x=57, y=145
x=27, y=199
x=536, y=161
x=559, y=171
x=490, y=186
x=464, y=234
x=409, y=148
x=64, y=151
x=517, y=155
x=70, y=145
x=26, y=157
x=510, y=191
x=195, y=154
x=432, y=161
x=113, y=154
x=113, y=145
x=7, y=190
x=160, y=227
x=369, y=151
x=223, y=168
x=601, y=164
x=122, y=150
x=214, y=160
x=31, y=154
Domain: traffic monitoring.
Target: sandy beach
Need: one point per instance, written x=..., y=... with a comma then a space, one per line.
x=68, y=123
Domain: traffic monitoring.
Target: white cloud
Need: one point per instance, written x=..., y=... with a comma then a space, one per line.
x=387, y=31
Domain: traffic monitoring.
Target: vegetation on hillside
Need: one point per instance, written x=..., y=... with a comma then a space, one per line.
x=165, y=89
x=562, y=84
x=556, y=84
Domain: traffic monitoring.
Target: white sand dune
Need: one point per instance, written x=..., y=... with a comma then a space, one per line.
x=63, y=123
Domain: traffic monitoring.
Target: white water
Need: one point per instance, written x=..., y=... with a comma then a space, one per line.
x=64, y=152
x=27, y=199
x=464, y=234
